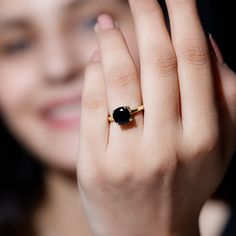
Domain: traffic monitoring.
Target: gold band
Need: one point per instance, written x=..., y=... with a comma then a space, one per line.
x=132, y=111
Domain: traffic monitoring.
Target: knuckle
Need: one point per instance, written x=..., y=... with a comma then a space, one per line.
x=122, y=78
x=181, y=3
x=195, y=52
x=93, y=100
x=120, y=177
x=91, y=179
x=164, y=167
x=207, y=143
x=162, y=161
x=93, y=104
x=144, y=6
x=165, y=63
x=126, y=175
x=212, y=138
x=108, y=182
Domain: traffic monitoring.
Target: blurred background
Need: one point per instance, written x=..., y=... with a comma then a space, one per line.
x=218, y=18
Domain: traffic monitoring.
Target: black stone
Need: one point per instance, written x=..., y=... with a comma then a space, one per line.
x=122, y=115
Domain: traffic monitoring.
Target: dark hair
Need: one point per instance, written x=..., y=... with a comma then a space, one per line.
x=21, y=178
x=22, y=186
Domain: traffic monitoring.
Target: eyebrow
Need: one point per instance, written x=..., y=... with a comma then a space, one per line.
x=75, y=4
x=78, y=3
x=20, y=23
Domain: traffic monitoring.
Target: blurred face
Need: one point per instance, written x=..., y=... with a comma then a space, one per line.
x=44, y=48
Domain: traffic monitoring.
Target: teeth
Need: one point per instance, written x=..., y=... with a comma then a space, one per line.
x=65, y=111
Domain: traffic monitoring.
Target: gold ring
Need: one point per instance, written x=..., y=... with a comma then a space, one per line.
x=123, y=115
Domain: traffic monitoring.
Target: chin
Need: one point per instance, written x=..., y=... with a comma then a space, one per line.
x=55, y=147
x=59, y=162
x=62, y=156
x=56, y=150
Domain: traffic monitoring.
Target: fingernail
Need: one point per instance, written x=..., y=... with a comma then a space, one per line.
x=216, y=50
x=96, y=56
x=104, y=22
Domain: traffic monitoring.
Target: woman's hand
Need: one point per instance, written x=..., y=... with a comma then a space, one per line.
x=153, y=175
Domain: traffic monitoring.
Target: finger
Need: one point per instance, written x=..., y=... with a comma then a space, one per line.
x=226, y=97
x=159, y=79
x=228, y=81
x=121, y=77
x=194, y=66
x=94, y=128
x=225, y=83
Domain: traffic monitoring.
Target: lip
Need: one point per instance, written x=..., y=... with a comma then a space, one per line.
x=62, y=121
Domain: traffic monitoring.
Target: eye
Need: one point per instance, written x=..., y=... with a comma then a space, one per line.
x=90, y=22
x=85, y=24
x=17, y=46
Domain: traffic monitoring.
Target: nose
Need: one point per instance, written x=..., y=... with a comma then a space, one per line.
x=58, y=62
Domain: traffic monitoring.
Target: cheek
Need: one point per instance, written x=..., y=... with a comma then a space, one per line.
x=17, y=83
x=20, y=90
x=83, y=50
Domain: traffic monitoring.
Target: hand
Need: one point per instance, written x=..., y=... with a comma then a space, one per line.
x=152, y=176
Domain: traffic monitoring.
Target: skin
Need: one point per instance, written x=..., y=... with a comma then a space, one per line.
x=57, y=42
x=41, y=62
x=152, y=176
x=57, y=46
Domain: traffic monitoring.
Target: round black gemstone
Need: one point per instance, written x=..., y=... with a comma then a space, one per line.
x=122, y=115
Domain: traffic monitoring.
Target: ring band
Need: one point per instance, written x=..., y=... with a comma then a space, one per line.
x=123, y=115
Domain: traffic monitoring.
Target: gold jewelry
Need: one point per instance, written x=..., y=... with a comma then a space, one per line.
x=123, y=115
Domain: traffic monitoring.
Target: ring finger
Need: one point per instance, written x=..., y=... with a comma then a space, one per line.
x=120, y=72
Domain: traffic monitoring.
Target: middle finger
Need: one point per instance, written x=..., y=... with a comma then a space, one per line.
x=159, y=79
